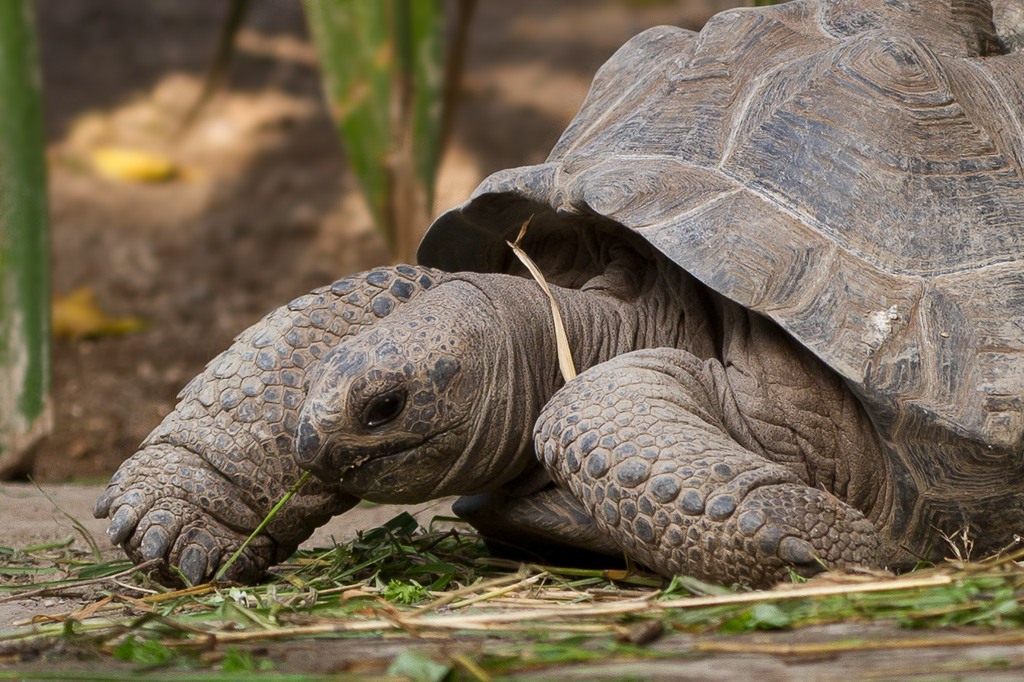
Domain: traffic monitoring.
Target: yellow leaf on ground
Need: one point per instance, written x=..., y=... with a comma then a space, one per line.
x=78, y=316
x=132, y=165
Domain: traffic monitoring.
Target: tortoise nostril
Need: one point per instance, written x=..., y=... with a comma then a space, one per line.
x=308, y=445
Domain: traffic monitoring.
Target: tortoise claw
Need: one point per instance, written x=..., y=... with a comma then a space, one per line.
x=102, y=506
x=122, y=525
x=194, y=564
x=796, y=551
x=243, y=570
x=155, y=543
x=200, y=554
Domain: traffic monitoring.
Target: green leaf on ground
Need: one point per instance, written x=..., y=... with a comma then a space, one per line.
x=418, y=668
x=145, y=652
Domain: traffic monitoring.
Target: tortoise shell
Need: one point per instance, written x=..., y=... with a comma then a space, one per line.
x=852, y=170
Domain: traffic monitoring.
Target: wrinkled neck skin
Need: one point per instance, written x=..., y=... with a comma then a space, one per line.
x=519, y=377
x=612, y=314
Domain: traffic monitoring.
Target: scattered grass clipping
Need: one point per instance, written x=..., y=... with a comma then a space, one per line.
x=499, y=619
x=565, y=362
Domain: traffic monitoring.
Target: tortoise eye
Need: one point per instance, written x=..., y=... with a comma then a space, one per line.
x=384, y=408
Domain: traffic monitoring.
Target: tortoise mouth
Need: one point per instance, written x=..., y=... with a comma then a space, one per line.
x=338, y=460
x=409, y=476
x=331, y=458
x=360, y=479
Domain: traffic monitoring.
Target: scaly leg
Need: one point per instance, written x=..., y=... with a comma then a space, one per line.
x=641, y=441
x=205, y=478
x=548, y=524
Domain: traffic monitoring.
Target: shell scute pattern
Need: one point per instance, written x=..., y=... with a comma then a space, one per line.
x=823, y=163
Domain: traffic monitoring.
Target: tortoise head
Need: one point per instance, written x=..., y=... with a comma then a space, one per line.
x=394, y=413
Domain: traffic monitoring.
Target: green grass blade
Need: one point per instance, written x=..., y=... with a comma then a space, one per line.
x=24, y=244
x=82, y=530
x=263, y=524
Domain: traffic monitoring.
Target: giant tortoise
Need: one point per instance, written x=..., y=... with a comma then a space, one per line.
x=789, y=252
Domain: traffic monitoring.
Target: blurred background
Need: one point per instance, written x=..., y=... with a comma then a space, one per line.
x=155, y=271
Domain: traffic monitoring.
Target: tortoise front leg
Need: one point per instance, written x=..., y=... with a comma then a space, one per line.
x=207, y=476
x=641, y=442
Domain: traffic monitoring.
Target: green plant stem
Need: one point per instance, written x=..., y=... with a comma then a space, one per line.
x=259, y=529
x=383, y=68
x=24, y=244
